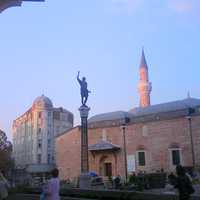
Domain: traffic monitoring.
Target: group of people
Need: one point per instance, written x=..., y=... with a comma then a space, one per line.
x=50, y=191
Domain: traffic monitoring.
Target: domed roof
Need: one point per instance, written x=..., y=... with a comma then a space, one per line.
x=43, y=101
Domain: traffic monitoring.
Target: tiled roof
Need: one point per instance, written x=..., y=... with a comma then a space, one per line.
x=102, y=146
x=150, y=110
x=117, y=115
x=167, y=107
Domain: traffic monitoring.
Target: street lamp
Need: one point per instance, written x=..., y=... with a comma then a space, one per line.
x=126, y=121
x=4, y=4
x=189, y=117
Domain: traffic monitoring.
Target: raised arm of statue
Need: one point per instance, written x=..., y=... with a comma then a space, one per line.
x=78, y=79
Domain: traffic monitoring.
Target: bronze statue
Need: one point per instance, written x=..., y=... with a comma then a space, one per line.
x=84, y=90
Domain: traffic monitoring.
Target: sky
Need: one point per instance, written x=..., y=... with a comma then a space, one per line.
x=44, y=45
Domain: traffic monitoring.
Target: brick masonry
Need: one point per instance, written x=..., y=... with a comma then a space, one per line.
x=156, y=138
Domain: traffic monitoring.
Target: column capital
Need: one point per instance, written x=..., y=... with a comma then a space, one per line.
x=84, y=111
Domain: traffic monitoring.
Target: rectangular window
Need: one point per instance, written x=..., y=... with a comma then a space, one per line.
x=57, y=129
x=39, y=130
x=39, y=158
x=40, y=115
x=49, y=144
x=39, y=144
x=49, y=158
x=141, y=158
x=176, y=157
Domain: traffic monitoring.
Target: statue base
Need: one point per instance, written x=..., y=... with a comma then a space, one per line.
x=85, y=181
x=84, y=111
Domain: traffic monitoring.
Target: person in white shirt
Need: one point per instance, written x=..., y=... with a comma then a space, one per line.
x=53, y=187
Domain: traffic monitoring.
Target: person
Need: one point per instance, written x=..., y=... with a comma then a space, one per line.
x=117, y=182
x=183, y=184
x=52, y=189
x=4, y=185
x=84, y=90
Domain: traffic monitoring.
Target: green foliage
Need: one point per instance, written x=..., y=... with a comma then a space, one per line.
x=196, y=181
x=6, y=163
x=147, y=181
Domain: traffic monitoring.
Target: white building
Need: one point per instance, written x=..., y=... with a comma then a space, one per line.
x=34, y=135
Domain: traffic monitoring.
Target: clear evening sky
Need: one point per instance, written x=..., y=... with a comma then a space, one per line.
x=43, y=45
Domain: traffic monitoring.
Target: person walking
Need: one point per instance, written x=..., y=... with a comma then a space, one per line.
x=52, y=189
x=183, y=184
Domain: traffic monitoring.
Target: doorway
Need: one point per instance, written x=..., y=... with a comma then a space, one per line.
x=107, y=169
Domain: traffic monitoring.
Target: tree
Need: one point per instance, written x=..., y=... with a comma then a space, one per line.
x=5, y=153
x=4, y=4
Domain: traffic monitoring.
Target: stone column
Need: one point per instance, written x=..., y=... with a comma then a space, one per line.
x=84, y=111
x=84, y=177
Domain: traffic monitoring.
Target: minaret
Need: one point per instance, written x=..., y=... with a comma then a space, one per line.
x=144, y=86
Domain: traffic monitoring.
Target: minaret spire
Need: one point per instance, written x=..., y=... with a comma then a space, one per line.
x=144, y=86
x=143, y=63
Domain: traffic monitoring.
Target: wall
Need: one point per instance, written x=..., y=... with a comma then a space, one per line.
x=155, y=138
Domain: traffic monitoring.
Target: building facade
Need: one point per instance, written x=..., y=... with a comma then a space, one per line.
x=147, y=138
x=34, y=135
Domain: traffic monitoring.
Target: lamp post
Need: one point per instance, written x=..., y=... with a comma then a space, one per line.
x=126, y=121
x=191, y=111
x=4, y=4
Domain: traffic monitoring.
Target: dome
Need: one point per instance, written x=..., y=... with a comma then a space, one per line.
x=43, y=101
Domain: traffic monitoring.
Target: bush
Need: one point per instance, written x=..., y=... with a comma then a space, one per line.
x=148, y=181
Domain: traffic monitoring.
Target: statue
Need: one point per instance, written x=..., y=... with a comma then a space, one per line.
x=84, y=90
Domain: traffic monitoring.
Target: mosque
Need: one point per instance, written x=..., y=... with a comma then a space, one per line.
x=147, y=138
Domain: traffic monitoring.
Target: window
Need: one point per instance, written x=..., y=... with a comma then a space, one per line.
x=176, y=157
x=39, y=158
x=49, y=144
x=39, y=130
x=141, y=158
x=49, y=114
x=39, y=143
x=57, y=129
x=40, y=115
x=49, y=158
x=70, y=118
x=104, y=135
